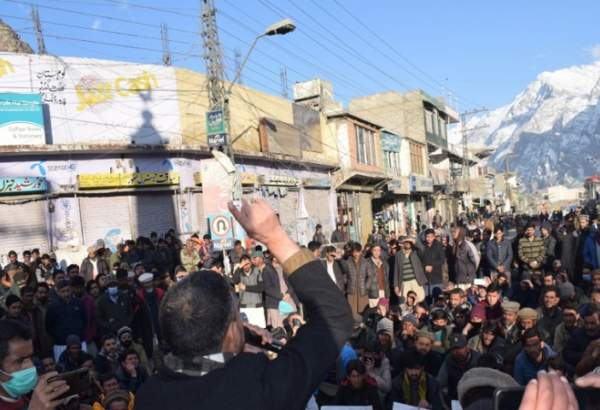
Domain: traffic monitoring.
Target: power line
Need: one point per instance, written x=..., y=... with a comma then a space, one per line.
x=82, y=13
x=120, y=33
x=394, y=50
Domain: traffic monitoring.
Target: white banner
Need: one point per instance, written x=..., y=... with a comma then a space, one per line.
x=66, y=223
x=97, y=101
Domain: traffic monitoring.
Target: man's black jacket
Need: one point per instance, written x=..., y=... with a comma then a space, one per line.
x=251, y=381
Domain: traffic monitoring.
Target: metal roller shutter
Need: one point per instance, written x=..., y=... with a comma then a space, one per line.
x=201, y=222
x=153, y=211
x=23, y=226
x=105, y=217
x=287, y=208
x=317, y=206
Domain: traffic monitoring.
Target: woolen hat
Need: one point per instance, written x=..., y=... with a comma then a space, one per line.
x=483, y=377
x=146, y=278
x=386, y=325
x=457, y=341
x=73, y=340
x=257, y=254
x=566, y=290
x=510, y=306
x=478, y=311
x=425, y=333
x=123, y=330
x=527, y=313
x=114, y=396
x=410, y=318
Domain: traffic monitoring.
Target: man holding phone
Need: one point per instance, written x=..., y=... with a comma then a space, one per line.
x=18, y=375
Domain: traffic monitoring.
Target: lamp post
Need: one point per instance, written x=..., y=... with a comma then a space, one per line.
x=280, y=28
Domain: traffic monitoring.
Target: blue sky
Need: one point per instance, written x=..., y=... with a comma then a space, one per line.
x=481, y=52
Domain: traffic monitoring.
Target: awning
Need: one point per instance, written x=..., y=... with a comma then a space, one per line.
x=358, y=180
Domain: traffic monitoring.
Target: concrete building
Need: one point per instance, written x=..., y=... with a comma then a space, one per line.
x=112, y=150
x=422, y=121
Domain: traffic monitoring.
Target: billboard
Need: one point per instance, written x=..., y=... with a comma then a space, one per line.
x=92, y=101
x=21, y=119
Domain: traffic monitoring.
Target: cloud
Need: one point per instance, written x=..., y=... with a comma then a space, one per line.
x=96, y=24
x=595, y=51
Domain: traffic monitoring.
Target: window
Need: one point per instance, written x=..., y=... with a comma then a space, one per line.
x=392, y=160
x=365, y=145
x=428, y=121
x=443, y=130
x=416, y=158
x=436, y=123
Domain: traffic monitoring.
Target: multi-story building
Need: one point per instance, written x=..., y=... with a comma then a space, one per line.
x=422, y=121
x=96, y=149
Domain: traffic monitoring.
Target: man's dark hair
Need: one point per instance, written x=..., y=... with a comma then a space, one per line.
x=457, y=291
x=429, y=232
x=57, y=272
x=121, y=273
x=45, y=256
x=355, y=247
x=26, y=253
x=89, y=284
x=493, y=287
x=319, y=226
x=103, y=378
x=569, y=304
x=498, y=227
x=42, y=285
x=329, y=249
x=237, y=242
x=414, y=361
x=531, y=333
x=314, y=245
x=12, y=253
x=206, y=236
x=490, y=327
x=551, y=289
x=72, y=266
x=11, y=330
x=244, y=257
x=195, y=313
x=105, y=338
x=592, y=309
x=153, y=234
x=123, y=356
x=27, y=289
x=355, y=365
x=77, y=281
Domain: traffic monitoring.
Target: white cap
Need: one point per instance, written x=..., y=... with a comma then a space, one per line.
x=146, y=278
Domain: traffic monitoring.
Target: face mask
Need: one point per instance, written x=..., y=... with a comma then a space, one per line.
x=21, y=382
x=112, y=291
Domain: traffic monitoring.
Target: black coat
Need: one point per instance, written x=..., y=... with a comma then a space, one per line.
x=272, y=287
x=435, y=256
x=338, y=272
x=252, y=381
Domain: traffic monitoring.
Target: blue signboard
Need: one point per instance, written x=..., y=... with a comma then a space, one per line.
x=21, y=119
x=22, y=185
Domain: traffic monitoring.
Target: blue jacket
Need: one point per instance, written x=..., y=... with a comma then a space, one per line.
x=526, y=370
x=499, y=254
x=64, y=319
x=590, y=256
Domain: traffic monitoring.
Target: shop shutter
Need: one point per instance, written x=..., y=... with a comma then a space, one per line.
x=23, y=226
x=105, y=217
x=201, y=223
x=317, y=206
x=153, y=211
x=287, y=208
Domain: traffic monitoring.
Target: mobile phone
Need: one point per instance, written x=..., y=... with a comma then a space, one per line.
x=77, y=380
x=509, y=398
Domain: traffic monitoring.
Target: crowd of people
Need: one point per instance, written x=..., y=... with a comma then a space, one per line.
x=449, y=314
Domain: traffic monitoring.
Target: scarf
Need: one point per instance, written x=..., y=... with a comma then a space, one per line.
x=407, y=389
x=196, y=366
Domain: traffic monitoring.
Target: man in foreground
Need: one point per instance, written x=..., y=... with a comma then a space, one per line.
x=204, y=333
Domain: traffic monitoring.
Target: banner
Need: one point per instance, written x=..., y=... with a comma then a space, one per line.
x=21, y=119
x=66, y=223
x=98, y=101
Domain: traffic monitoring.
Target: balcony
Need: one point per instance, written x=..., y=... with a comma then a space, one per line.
x=436, y=140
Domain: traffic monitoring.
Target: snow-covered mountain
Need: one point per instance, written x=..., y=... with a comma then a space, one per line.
x=551, y=131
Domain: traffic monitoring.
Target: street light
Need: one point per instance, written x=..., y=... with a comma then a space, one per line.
x=281, y=28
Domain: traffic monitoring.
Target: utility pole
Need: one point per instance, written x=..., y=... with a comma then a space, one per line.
x=237, y=58
x=164, y=37
x=37, y=27
x=284, y=82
